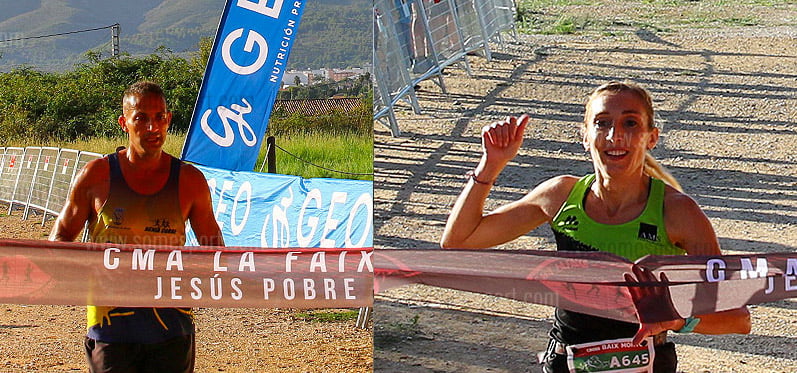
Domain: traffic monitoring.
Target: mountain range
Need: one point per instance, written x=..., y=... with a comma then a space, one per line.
x=176, y=25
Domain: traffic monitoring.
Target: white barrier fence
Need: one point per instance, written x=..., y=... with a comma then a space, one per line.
x=39, y=177
x=415, y=39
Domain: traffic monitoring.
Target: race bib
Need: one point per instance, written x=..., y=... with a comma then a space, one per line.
x=612, y=356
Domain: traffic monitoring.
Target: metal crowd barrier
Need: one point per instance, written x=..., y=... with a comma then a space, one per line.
x=38, y=178
x=12, y=163
x=414, y=40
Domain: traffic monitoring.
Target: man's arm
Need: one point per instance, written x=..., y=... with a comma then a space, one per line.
x=194, y=188
x=79, y=205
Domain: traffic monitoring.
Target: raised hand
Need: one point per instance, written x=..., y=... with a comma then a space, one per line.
x=501, y=141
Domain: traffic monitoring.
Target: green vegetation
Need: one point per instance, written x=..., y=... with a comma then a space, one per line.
x=350, y=152
x=603, y=17
x=334, y=35
x=388, y=334
x=340, y=141
x=567, y=25
x=101, y=145
x=85, y=102
x=740, y=21
x=78, y=109
x=556, y=3
x=715, y=3
x=769, y=2
x=667, y=2
x=326, y=315
x=346, y=152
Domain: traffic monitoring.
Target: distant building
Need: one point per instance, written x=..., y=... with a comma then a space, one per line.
x=341, y=74
x=338, y=75
x=309, y=77
x=289, y=78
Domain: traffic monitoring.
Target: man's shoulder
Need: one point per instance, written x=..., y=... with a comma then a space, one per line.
x=188, y=170
x=190, y=177
x=94, y=178
x=98, y=168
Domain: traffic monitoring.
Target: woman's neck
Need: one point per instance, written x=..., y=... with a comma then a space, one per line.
x=617, y=195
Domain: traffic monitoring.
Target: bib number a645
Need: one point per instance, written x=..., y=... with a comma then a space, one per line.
x=611, y=356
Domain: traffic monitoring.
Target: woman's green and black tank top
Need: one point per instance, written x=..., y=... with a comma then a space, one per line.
x=132, y=218
x=575, y=231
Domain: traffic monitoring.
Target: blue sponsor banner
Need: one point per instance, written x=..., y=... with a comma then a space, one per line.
x=241, y=82
x=268, y=210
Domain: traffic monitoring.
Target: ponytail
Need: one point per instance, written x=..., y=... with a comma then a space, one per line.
x=653, y=169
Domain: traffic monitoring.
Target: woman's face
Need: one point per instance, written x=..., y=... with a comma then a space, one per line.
x=617, y=133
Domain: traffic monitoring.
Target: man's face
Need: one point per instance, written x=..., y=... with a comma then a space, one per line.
x=146, y=121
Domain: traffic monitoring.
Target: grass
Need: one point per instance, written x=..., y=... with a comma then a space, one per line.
x=567, y=25
x=341, y=152
x=617, y=17
x=391, y=333
x=550, y=3
x=336, y=151
x=102, y=145
x=740, y=21
x=671, y=3
x=326, y=315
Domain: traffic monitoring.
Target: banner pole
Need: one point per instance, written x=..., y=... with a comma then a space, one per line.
x=271, y=154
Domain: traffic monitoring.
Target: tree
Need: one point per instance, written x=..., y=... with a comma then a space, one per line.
x=46, y=105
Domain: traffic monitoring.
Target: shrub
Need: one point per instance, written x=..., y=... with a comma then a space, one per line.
x=86, y=101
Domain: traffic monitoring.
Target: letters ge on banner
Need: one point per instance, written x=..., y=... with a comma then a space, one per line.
x=267, y=210
x=241, y=82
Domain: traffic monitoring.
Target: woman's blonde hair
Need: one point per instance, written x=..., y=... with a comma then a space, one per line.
x=652, y=167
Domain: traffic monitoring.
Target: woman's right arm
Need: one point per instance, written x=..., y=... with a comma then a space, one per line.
x=467, y=227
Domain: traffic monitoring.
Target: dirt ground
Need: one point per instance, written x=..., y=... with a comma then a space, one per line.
x=49, y=338
x=727, y=99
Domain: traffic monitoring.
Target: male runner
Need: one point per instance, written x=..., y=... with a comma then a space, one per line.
x=140, y=195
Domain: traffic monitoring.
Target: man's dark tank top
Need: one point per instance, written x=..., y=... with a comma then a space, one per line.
x=132, y=218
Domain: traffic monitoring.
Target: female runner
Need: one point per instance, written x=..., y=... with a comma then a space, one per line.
x=630, y=207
